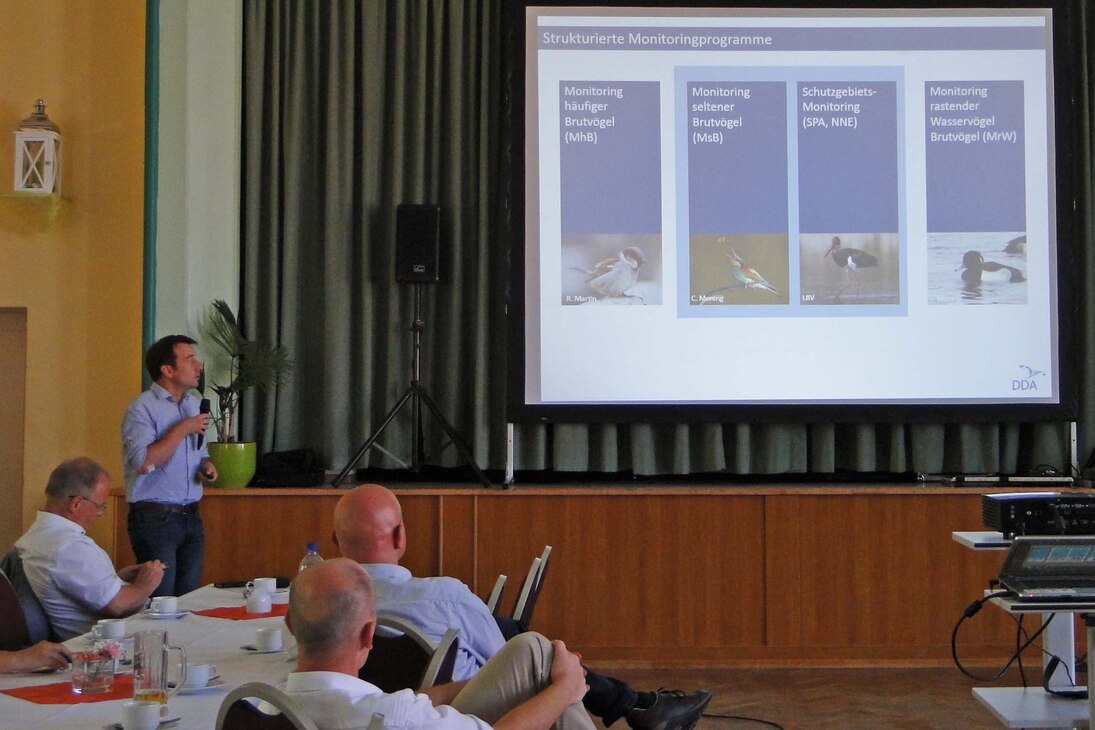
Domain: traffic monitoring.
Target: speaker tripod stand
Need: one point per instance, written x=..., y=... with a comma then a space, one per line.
x=416, y=394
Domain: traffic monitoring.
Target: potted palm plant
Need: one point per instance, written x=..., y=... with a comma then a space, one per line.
x=245, y=364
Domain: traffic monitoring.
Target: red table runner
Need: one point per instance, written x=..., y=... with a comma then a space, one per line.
x=239, y=613
x=60, y=693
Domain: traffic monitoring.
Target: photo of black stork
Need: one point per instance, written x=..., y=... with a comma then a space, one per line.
x=850, y=260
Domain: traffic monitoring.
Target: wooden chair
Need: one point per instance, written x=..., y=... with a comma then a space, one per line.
x=237, y=713
x=496, y=595
x=408, y=660
x=34, y=616
x=530, y=589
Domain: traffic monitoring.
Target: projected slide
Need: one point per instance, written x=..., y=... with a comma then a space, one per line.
x=771, y=208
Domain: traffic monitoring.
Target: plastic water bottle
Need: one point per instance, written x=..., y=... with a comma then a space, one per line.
x=311, y=557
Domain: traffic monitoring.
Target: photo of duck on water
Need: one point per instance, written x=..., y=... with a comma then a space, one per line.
x=977, y=268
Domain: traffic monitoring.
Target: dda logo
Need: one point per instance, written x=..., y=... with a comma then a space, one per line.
x=1028, y=383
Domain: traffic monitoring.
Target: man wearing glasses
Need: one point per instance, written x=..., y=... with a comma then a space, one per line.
x=71, y=575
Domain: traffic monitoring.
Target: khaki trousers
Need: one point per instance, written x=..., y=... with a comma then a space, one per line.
x=518, y=672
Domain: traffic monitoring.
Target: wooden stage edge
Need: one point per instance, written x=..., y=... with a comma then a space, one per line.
x=697, y=575
x=616, y=489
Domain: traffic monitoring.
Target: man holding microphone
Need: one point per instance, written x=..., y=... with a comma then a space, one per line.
x=166, y=464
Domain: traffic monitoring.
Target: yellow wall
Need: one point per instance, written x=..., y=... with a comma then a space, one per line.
x=80, y=277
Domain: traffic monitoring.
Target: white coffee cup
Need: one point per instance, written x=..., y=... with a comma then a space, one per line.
x=165, y=604
x=268, y=638
x=259, y=602
x=199, y=675
x=140, y=715
x=109, y=628
x=270, y=585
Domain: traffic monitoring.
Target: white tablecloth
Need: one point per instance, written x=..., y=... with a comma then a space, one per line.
x=205, y=639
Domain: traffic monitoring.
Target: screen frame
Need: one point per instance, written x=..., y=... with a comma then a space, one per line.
x=1070, y=212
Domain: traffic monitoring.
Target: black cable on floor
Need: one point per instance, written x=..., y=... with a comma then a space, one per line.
x=743, y=718
x=970, y=612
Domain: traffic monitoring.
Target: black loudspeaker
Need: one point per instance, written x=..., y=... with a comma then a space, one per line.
x=418, y=243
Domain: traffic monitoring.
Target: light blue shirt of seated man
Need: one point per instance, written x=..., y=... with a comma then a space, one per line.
x=146, y=420
x=434, y=605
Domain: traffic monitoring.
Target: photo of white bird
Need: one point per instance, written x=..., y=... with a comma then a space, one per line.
x=617, y=275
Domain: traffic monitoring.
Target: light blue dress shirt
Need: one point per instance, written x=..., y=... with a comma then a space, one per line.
x=146, y=420
x=435, y=605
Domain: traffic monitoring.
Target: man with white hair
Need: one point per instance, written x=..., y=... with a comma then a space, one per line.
x=532, y=684
x=73, y=578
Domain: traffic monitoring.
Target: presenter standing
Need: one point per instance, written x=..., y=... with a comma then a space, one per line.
x=166, y=463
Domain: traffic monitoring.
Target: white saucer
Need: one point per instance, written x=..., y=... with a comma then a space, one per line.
x=163, y=723
x=253, y=649
x=215, y=683
x=167, y=615
x=125, y=640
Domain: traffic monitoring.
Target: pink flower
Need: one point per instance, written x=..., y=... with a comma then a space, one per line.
x=109, y=649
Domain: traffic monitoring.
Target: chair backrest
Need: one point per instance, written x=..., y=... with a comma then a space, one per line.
x=526, y=589
x=440, y=668
x=496, y=595
x=13, y=627
x=530, y=590
x=408, y=660
x=237, y=713
x=34, y=618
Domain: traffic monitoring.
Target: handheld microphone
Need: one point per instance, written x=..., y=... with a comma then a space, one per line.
x=203, y=408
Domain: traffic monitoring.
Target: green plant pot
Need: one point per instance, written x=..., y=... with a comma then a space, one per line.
x=235, y=463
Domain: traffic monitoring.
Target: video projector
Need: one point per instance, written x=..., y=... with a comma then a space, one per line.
x=1039, y=513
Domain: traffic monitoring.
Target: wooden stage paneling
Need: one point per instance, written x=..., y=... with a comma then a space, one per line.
x=674, y=576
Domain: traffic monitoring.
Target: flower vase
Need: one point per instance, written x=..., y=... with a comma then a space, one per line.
x=92, y=673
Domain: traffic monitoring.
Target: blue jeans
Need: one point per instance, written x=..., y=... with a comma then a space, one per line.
x=177, y=540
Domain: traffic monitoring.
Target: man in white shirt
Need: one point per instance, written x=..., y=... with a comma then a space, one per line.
x=43, y=655
x=369, y=529
x=532, y=684
x=71, y=575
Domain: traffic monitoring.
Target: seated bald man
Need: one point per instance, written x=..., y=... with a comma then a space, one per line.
x=73, y=578
x=369, y=529
x=532, y=684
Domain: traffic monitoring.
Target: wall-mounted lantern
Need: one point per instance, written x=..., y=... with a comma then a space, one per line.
x=38, y=154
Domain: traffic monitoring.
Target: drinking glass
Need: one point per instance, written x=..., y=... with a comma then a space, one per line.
x=151, y=666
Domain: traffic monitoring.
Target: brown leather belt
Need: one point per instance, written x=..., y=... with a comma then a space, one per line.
x=180, y=509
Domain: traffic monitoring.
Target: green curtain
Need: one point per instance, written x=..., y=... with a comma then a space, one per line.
x=351, y=107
